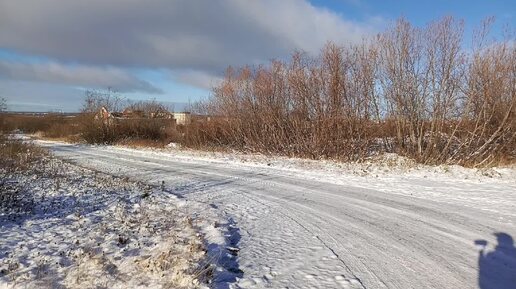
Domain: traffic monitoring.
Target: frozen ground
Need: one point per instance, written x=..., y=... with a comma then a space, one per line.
x=305, y=224
x=64, y=226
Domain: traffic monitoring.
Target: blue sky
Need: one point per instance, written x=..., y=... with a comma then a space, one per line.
x=473, y=12
x=175, y=50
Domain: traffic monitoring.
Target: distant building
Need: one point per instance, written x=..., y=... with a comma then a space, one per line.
x=133, y=113
x=103, y=116
x=183, y=118
x=161, y=113
x=107, y=117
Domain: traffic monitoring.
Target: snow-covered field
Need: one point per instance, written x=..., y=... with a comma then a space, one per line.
x=64, y=226
x=386, y=223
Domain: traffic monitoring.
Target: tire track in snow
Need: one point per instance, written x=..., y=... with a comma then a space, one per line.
x=386, y=240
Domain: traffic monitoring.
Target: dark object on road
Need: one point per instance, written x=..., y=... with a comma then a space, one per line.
x=481, y=242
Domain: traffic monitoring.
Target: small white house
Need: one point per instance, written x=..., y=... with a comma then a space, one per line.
x=183, y=118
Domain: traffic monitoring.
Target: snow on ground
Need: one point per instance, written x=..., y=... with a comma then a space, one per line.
x=384, y=223
x=389, y=173
x=63, y=226
x=490, y=188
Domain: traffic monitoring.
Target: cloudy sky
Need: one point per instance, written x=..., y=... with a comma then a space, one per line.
x=175, y=50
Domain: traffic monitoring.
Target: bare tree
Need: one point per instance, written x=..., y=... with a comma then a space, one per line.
x=410, y=90
x=3, y=104
x=149, y=108
x=95, y=99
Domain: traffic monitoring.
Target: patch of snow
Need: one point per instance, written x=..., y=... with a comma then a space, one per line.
x=173, y=145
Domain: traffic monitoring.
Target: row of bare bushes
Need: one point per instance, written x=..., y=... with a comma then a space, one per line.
x=49, y=125
x=84, y=127
x=142, y=129
x=413, y=91
x=157, y=132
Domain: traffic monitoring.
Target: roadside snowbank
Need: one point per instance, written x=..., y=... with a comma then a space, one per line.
x=384, y=165
x=389, y=173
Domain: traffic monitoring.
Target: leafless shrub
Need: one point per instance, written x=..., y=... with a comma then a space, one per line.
x=410, y=90
x=3, y=108
x=3, y=104
x=149, y=108
x=95, y=99
x=16, y=154
x=126, y=130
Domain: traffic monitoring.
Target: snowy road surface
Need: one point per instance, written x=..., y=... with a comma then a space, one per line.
x=304, y=229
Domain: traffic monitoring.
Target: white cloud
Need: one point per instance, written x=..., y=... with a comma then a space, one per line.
x=173, y=34
x=194, y=40
x=40, y=96
x=80, y=75
x=197, y=79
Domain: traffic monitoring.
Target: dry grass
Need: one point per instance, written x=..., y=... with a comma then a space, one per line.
x=143, y=143
x=168, y=265
x=116, y=234
x=17, y=155
x=50, y=126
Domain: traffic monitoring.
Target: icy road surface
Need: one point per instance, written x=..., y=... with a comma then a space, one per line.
x=303, y=228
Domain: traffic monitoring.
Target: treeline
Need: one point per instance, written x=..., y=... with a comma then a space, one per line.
x=413, y=91
x=137, y=129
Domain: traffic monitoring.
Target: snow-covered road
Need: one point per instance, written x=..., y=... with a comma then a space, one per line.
x=305, y=229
